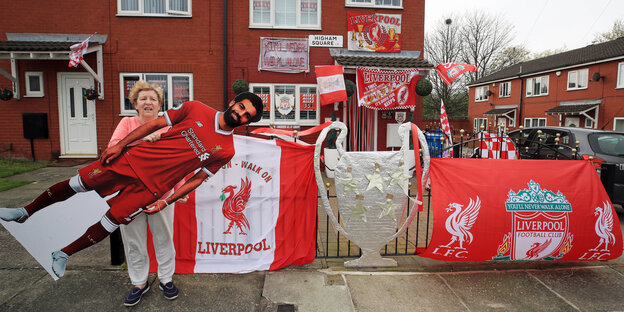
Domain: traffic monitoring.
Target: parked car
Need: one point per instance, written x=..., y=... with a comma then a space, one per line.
x=605, y=147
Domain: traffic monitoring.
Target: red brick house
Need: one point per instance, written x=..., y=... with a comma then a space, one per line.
x=582, y=88
x=194, y=50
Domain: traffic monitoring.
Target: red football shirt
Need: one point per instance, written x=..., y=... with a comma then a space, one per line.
x=194, y=141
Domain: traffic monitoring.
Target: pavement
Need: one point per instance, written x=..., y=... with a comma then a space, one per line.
x=417, y=284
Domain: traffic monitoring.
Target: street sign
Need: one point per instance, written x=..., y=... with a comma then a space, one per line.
x=327, y=41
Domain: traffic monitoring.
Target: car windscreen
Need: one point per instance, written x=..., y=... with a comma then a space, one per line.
x=607, y=143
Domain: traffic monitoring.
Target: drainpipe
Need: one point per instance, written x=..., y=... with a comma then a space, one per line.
x=225, y=56
x=519, y=119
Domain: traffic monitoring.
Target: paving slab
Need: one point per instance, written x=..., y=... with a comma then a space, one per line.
x=15, y=281
x=503, y=291
x=589, y=288
x=401, y=292
x=308, y=291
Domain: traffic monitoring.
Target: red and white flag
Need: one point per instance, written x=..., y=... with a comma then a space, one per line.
x=446, y=127
x=77, y=50
x=450, y=71
x=331, y=84
x=537, y=210
x=257, y=213
x=493, y=146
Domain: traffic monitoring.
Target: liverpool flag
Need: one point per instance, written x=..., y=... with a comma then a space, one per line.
x=331, y=84
x=257, y=213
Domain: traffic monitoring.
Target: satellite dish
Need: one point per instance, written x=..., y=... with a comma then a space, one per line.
x=596, y=76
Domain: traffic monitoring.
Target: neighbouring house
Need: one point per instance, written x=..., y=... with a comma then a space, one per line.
x=579, y=88
x=194, y=50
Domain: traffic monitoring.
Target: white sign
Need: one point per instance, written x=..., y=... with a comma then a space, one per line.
x=328, y=41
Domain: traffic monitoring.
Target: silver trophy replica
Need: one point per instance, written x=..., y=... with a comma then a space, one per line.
x=372, y=193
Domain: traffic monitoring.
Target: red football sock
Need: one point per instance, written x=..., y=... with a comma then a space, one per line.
x=92, y=236
x=56, y=193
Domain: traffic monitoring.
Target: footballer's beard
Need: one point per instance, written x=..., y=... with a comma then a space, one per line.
x=229, y=120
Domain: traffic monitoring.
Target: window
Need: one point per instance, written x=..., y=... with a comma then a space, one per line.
x=534, y=122
x=618, y=123
x=395, y=4
x=537, y=86
x=481, y=94
x=288, y=14
x=588, y=123
x=174, y=8
x=34, y=84
x=620, y=76
x=504, y=89
x=288, y=104
x=577, y=79
x=478, y=122
x=177, y=89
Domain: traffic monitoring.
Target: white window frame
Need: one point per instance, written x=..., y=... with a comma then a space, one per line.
x=371, y=4
x=168, y=12
x=589, y=123
x=534, y=122
x=298, y=121
x=502, y=87
x=477, y=122
x=530, y=84
x=29, y=92
x=481, y=93
x=620, y=76
x=616, y=119
x=577, y=77
x=141, y=76
x=297, y=25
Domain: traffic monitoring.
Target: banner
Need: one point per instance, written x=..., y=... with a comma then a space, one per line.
x=446, y=127
x=77, y=51
x=450, y=71
x=385, y=90
x=286, y=55
x=486, y=210
x=257, y=213
x=373, y=32
x=331, y=84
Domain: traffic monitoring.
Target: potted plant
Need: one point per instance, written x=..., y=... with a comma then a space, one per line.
x=423, y=87
x=350, y=87
x=6, y=94
x=240, y=85
x=90, y=94
x=330, y=153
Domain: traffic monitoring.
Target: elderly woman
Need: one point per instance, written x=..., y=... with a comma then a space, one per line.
x=147, y=101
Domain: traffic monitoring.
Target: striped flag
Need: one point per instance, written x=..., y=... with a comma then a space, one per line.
x=331, y=84
x=257, y=213
x=446, y=127
x=77, y=50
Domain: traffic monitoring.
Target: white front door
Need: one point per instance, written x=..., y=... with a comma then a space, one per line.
x=572, y=121
x=76, y=116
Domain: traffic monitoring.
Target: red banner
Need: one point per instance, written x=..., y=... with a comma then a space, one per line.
x=373, y=32
x=450, y=71
x=486, y=210
x=384, y=90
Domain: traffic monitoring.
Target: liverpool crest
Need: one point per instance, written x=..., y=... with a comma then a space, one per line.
x=235, y=204
x=540, y=228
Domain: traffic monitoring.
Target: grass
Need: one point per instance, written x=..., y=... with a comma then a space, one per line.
x=9, y=167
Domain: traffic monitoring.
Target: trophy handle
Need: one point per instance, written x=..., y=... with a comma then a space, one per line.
x=404, y=131
x=317, y=169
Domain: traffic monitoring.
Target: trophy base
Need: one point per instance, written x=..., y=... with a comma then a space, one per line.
x=370, y=260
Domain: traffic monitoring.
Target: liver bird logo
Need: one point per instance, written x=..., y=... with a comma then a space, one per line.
x=537, y=248
x=235, y=204
x=459, y=223
x=604, y=226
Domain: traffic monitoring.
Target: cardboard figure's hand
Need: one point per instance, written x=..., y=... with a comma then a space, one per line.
x=111, y=153
x=156, y=206
x=183, y=199
x=152, y=137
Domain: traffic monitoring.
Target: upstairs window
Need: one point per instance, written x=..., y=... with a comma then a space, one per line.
x=620, y=76
x=173, y=8
x=504, y=89
x=287, y=14
x=577, y=79
x=481, y=94
x=393, y=4
x=537, y=86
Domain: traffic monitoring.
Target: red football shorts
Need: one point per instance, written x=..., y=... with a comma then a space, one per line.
x=118, y=176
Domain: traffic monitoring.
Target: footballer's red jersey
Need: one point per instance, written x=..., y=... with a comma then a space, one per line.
x=194, y=141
